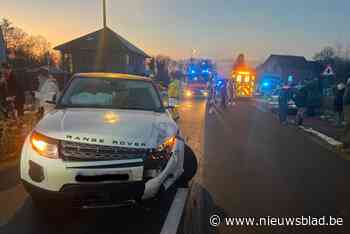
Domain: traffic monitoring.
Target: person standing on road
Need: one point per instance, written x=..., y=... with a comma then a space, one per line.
x=347, y=111
x=339, y=103
x=174, y=92
x=223, y=91
x=283, y=105
x=211, y=96
x=230, y=92
x=46, y=91
x=14, y=89
x=174, y=96
x=347, y=92
x=347, y=102
x=300, y=100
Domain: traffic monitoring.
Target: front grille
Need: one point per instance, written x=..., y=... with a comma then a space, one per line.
x=74, y=151
x=102, y=194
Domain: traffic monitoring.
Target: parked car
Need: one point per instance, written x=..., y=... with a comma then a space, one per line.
x=273, y=102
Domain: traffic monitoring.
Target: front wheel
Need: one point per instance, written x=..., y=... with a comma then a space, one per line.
x=190, y=166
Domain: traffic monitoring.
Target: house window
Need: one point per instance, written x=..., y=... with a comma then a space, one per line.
x=127, y=59
x=68, y=62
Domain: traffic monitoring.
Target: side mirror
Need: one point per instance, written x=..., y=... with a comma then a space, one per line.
x=53, y=99
x=173, y=112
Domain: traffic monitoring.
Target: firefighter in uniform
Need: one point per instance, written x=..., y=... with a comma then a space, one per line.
x=174, y=96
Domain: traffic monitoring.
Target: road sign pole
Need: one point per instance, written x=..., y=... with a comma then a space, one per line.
x=104, y=14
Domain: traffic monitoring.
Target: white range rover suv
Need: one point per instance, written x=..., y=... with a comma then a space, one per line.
x=109, y=140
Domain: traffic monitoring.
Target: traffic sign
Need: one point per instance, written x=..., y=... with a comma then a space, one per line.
x=328, y=71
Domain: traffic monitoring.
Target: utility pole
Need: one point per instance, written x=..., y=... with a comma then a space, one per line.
x=104, y=34
x=104, y=14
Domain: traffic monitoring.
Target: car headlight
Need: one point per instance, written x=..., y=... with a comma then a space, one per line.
x=188, y=93
x=43, y=145
x=158, y=158
x=168, y=144
x=165, y=149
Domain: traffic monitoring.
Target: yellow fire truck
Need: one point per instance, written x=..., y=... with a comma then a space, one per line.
x=244, y=83
x=243, y=77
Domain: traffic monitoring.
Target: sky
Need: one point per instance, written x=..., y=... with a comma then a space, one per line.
x=218, y=29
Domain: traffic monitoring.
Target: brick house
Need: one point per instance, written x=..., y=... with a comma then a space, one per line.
x=286, y=68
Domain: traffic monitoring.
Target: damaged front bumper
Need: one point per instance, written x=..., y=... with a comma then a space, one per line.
x=55, y=180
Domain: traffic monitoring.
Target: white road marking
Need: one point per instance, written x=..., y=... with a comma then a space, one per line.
x=173, y=219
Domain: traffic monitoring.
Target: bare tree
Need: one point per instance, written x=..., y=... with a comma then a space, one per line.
x=347, y=53
x=338, y=58
x=326, y=54
x=33, y=50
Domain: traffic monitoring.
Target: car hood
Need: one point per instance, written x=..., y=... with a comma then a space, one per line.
x=129, y=128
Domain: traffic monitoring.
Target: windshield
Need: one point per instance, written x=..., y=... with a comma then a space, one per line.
x=198, y=80
x=112, y=94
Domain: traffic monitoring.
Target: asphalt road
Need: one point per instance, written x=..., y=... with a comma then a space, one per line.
x=252, y=166
x=249, y=166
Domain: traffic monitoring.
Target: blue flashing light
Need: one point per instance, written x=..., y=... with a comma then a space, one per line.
x=266, y=84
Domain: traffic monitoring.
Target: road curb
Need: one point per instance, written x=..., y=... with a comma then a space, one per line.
x=326, y=141
x=335, y=144
x=338, y=148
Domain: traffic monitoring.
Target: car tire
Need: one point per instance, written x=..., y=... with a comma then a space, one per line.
x=155, y=203
x=41, y=206
x=190, y=167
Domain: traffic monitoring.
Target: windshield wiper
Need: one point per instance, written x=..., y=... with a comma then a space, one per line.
x=109, y=107
x=139, y=108
x=78, y=106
